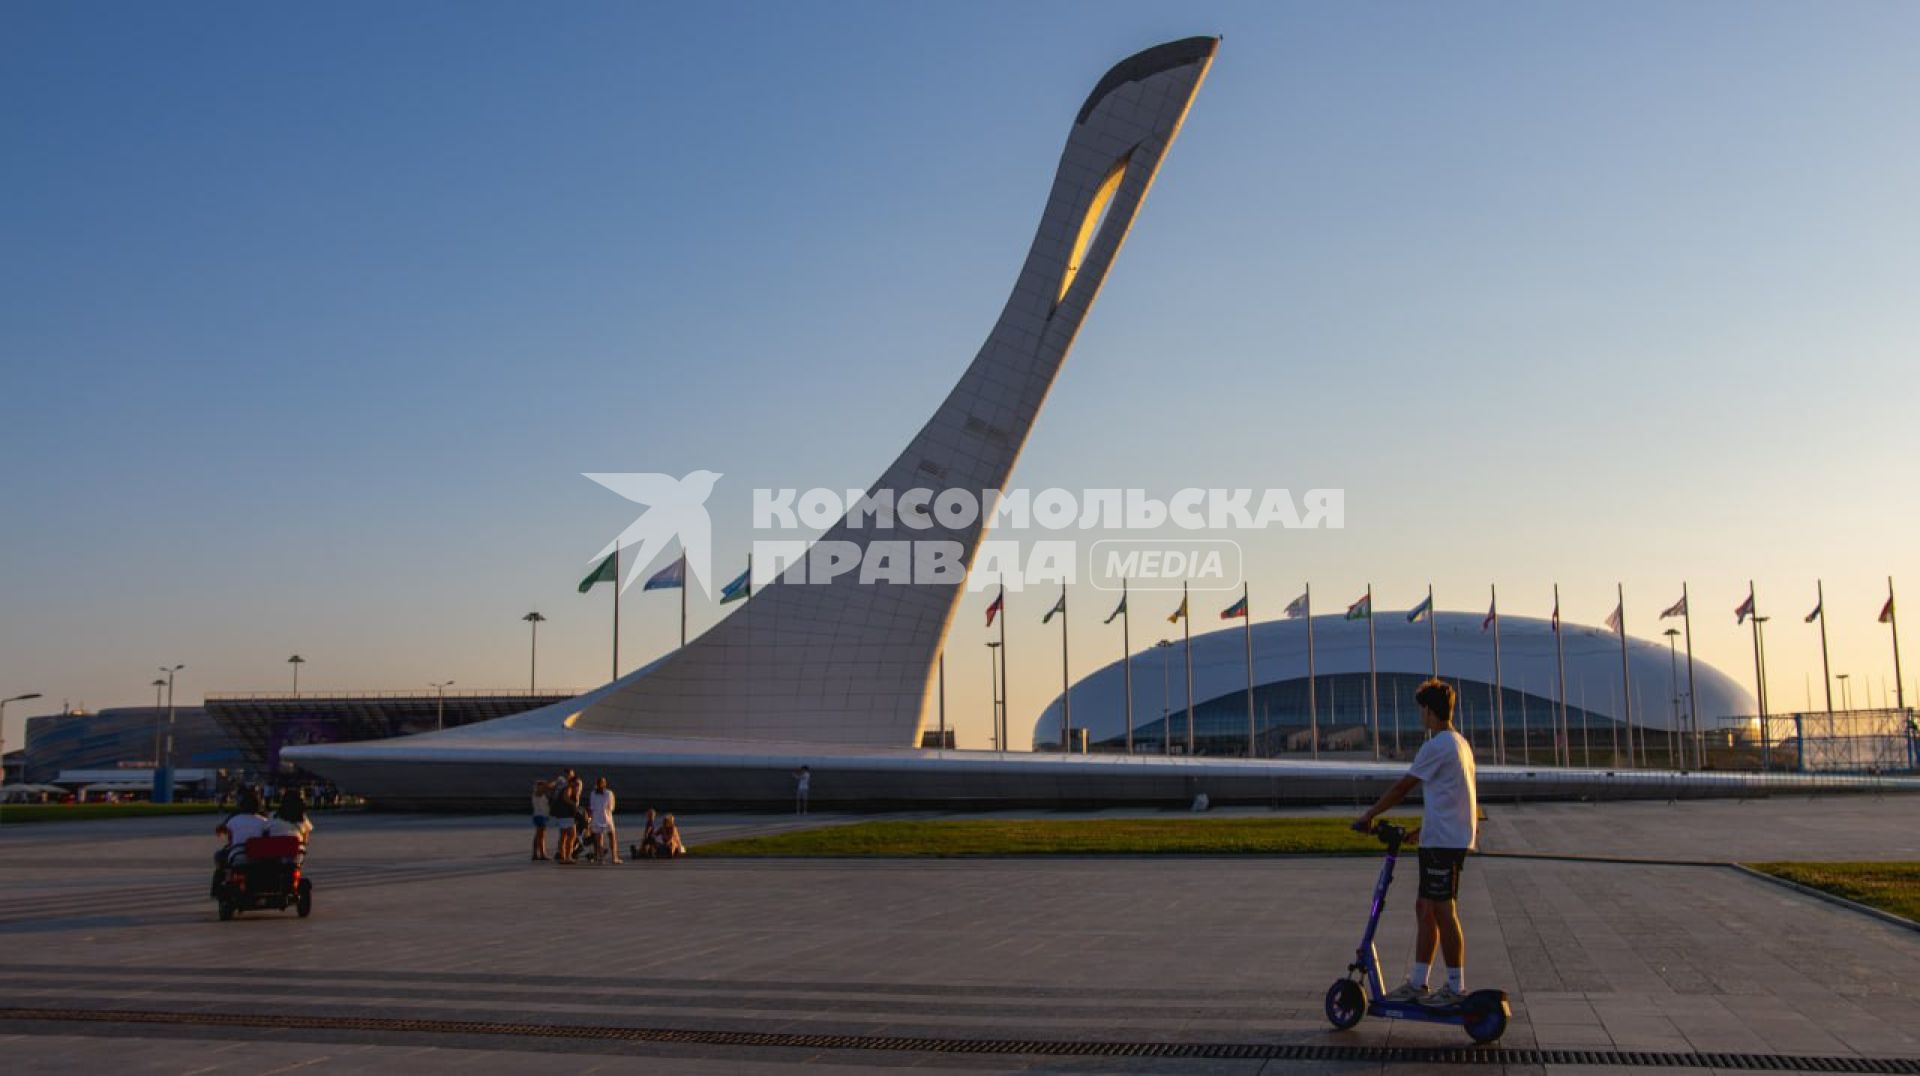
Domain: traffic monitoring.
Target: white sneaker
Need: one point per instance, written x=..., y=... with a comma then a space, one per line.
x=1406, y=992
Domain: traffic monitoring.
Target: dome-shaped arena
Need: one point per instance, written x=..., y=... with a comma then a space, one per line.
x=1594, y=722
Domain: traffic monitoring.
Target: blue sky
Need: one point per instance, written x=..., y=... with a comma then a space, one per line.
x=312, y=317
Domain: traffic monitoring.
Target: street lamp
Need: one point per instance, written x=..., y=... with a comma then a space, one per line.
x=1166, y=698
x=1846, y=695
x=163, y=775
x=296, y=661
x=534, y=621
x=3, y=729
x=993, y=672
x=440, y=706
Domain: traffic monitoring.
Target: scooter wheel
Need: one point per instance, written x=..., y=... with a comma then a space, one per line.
x=1346, y=1004
x=226, y=910
x=1486, y=1025
x=304, y=903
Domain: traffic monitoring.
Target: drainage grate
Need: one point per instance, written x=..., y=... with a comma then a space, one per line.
x=1199, y=1051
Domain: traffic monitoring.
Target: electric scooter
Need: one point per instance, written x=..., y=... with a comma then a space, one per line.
x=1482, y=1013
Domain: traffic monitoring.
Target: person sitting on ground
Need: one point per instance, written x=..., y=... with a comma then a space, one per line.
x=606, y=842
x=540, y=792
x=668, y=839
x=1449, y=827
x=244, y=824
x=649, y=845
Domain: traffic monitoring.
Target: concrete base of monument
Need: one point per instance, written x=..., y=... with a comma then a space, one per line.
x=493, y=765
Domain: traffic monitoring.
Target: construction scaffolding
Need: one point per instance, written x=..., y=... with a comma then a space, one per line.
x=1856, y=741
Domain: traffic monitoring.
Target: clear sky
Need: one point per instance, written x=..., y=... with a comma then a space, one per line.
x=311, y=317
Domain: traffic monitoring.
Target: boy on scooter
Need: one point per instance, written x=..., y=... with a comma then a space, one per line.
x=1449, y=826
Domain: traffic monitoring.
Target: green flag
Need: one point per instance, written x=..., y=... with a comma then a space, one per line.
x=607, y=572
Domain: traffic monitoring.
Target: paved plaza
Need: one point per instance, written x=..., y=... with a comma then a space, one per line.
x=431, y=933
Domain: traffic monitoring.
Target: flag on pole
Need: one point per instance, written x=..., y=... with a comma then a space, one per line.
x=1117, y=610
x=1492, y=611
x=1741, y=614
x=1425, y=608
x=1613, y=620
x=1237, y=609
x=1556, y=616
x=671, y=577
x=1178, y=613
x=1297, y=608
x=741, y=587
x=1678, y=608
x=607, y=572
x=1058, y=607
x=1815, y=615
x=1886, y=611
x=998, y=606
x=1362, y=609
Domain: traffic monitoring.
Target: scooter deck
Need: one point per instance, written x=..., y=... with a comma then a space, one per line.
x=1413, y=1010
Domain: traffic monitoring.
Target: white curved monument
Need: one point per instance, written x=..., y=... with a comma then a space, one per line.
x=846, y=662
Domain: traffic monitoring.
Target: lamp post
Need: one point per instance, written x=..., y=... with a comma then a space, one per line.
x=3, y=729
x=440, y=704
x=993, y=672
x=163, y=774
x=534, y=621
x=296, y=661
x=1846, y=692
x=1673, y=688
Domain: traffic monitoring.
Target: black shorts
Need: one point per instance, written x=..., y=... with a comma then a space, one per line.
x=1440, y=872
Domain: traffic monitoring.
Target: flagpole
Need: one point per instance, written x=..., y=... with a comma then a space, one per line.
x=1693, y=711
x=1499, y=685
x=1826, y=673
x=1126, y=657
x=1626, y=679
x=1560, y=656
x=1433, y=642
x=1186, y=625
x=1246, y=617
x=616, y=612
x=1004, y=706
x=684, y=583
x=1373, y=678
x=1893, y=621
x=1759, y=679
x=1066, y=684
x=1313, y=704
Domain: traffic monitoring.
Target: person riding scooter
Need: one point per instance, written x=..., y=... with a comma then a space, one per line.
x=1449, y=828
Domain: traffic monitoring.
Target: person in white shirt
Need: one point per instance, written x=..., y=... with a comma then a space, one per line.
x=1449, y=829
x=606, y=845
x=244, y=824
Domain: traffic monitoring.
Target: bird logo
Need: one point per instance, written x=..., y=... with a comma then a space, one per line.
x=676, y=509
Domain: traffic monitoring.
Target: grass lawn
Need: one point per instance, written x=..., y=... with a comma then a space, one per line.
x=12, y=813
x=1104, y=836
x=1890, y=887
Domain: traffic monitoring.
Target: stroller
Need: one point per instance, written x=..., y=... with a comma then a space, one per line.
x=265, y=875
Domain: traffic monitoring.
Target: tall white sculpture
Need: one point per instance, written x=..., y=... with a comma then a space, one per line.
x=850, y=663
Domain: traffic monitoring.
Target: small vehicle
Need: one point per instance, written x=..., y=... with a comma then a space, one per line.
x=1483, y=1013
x=265, y=876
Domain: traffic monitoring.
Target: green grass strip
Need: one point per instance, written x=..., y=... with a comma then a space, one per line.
x=17, y=813
x=1890, y=887
x=1039, y=837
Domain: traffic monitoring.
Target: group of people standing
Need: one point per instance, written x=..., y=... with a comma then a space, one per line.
x=565, y=803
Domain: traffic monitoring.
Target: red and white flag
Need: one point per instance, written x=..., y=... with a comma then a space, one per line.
x=1492, y=612
x=1741, y=614
x=998, y=606
x=1886, y=611
x=1613, y=621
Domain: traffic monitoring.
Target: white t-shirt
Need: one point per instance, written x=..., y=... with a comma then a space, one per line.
x=244, y=827
x=1452, y=815
x=601, y=805
x=539, y=806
